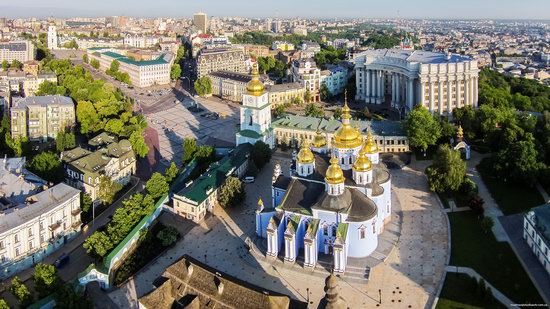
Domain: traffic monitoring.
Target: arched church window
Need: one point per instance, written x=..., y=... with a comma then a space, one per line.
x=362, y=233
x=334, y=230
x=343, y=162
x=325, y=230
x=360, y=178
x=250, y=121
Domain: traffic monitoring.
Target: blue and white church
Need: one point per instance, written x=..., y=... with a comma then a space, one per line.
x=335, y=201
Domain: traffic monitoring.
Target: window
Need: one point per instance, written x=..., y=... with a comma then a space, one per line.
x=325, y=230
x=30, y=232
x=31, y=245
x=1, y=244
x=16, y=238
x=17, y=252
x=362, y=233
x=334, y=229
x=42, y=239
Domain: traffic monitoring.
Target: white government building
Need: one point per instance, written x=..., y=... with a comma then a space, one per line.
x=536, y=232
x=405, y=78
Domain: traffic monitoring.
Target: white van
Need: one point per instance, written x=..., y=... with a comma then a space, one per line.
x=249, y=179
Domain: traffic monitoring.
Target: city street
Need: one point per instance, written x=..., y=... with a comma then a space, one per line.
x=408, y=278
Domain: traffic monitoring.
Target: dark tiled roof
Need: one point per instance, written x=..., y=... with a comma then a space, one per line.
x=282, y=182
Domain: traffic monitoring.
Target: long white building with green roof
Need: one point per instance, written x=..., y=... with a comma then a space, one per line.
x=144, y=73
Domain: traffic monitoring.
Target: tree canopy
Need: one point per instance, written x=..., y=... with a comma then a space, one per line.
x=45, y=279
x=203, y=86
x=261, y=154
x=447, y=171
x=232, y=193
x=157, y=185
x=423, y=129
x=47, y=166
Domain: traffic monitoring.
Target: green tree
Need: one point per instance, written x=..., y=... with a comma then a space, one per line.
x=157, y=185
x=314, y=110
x=337, y=113
x=15, y=144
x=107, y=189
x=308, y=97
x=115, y=126
x=95, y=64
x=189, y=149
x=279, y=110
x=85, y=202
x=45, y=279
x=447, y=171
x=180, y=54
x=138, y=144
x=113, y=69
x=16, y=64
x=168, y=236
x=21, y=292
x=261, y=154
x=175, y=71
x=87, y=117
x=5, y=65
x=85, y=58
x=4, y=304
x=324, y=93
x=423, y=129
x=98, y=244
x=487, y=224
x=171, y=172
x=67, y=298
x=48, y=166
x=232, y=193
x=204, y=153
x=519, y=161
x=203, y=86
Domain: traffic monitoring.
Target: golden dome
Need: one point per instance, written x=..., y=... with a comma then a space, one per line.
x=305, y=155
x=319, y=140
x=347, y=136
x=334, y=172
x=370, y=146
x=255, y=87
x=362, y=163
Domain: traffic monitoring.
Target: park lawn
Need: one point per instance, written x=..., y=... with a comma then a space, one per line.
x=459, y=292
x=511, y=198
x=494, y=261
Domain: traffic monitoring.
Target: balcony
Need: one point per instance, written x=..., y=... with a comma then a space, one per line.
x=76, y=224
x=55, y=226
x=76, y=212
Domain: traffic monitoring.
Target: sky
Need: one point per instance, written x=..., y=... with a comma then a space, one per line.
x=430, y=9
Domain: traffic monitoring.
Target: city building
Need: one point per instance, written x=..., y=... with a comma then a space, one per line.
x=255, y=113
x=389, y=136
x=140, y=41
x=200, y=196
x=305, y=72
x=285, y=93
x=309, y=49
x=145, y=73
x=200, y=21
x=282, y=46
x=335, y=78
x=439, y=82
x=35, y=220
x=256, y=50
x=42, y=117
x=21, y=51
x=53, y=42
x=32, y=82
x=336, y=202
x=189, y=283
x=231, y=85
x=220, y=59
x=536, y=231
x=84, y=168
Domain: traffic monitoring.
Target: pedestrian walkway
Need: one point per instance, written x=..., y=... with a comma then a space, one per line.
x=472, y=273
x=491, y=207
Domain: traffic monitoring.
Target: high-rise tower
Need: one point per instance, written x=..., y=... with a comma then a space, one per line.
x=52, y=37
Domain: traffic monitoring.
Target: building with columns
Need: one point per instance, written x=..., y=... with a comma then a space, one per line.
x=335, y=201
x=405, y=78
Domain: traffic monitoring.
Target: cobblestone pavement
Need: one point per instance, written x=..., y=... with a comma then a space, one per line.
x=175, y=122
x=407, y=279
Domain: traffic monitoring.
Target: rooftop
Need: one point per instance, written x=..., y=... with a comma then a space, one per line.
x=17, y=183
x=42, y=202
x=542, y=223
x=43, y=101
x=160, y=60
x=419, y=56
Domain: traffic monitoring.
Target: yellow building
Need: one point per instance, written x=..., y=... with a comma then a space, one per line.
x=285, y=93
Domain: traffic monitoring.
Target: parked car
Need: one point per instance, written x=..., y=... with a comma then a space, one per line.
x=62, y=260
x=249, y=179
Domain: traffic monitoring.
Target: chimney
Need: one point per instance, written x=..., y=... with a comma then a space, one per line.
x=219, y=284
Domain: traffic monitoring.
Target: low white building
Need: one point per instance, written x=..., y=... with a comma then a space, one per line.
x=536, y=231
x=32, y=230
x=143, y=73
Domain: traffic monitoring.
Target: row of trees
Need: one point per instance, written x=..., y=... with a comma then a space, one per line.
x=100, y=107
x=133, y=209
x=272, y=66
x=329, y=55
x=47, y=282
x=114, y=72
x=175, y=70
x=15, y=64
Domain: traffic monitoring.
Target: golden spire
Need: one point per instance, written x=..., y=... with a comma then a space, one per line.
x=370, y=146
x=347, y=136
x=305, y=155
x=334, y=173
x=346, y=110
x=255, y=87
x=460, y=133
x=260, y=202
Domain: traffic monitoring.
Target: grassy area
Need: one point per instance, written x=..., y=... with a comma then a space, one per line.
x=459, y=291
x=495, y=261
x=512, y=198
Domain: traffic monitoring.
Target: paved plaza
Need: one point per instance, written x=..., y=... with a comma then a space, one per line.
x=175, y=122
x=408, y=278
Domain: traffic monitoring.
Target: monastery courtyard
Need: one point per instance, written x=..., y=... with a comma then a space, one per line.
x=408, y=278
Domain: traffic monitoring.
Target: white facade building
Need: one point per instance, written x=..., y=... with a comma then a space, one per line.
x=21, y=51
x=307, y=73
x=405, y=78
x=536, y=231
x=53, y=43
x=32, y=230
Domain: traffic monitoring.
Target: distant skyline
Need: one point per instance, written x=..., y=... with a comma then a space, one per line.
x=429, y=9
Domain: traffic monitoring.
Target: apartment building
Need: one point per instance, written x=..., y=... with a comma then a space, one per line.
x=306, y=73
x=42, y=117
x=285, y=93
x=220, y=59
x=83, y=167
x=232, y=85
x=21, y=51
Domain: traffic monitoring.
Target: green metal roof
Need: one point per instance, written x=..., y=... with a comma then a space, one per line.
x=121, y=58
x=342, y=231
x=249, y=134
x=216, y=175
x=378, y=127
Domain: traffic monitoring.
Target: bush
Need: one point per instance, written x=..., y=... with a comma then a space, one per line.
x=468, y=188
x=476, y=204
x=168, y=236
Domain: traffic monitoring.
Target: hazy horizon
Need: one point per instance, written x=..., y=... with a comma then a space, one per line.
x=419, y=9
